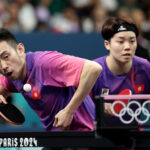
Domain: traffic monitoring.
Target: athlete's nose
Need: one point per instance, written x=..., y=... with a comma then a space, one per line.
x=127, y=46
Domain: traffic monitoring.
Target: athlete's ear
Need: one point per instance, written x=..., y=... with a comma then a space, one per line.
x=20, y=49
x=107, y=44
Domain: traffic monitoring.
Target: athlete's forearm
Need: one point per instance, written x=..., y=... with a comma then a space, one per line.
x=89, y=75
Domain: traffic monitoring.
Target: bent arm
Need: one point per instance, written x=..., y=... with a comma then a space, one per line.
x=89, y=75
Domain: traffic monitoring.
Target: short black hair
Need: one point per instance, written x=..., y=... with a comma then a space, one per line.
x=6, y=35
x=112, y=24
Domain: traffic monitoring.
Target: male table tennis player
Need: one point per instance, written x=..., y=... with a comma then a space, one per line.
x=123, y=72
x=59, y=84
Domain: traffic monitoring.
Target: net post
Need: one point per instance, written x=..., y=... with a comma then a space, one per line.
x=99, y=113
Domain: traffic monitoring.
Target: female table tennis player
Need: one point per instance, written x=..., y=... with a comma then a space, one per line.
x=59, y=84
x=123, y=72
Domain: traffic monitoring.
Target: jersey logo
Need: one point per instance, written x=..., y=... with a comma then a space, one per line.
x=139, y=88
x=105, y=91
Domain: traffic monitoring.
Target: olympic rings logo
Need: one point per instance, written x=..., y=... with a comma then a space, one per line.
x=130, y=112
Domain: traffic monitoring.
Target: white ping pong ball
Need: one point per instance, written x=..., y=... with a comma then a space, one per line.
x=27, y=87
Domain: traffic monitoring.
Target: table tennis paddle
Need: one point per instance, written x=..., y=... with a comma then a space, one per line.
x=11, y=114
x=119, y=107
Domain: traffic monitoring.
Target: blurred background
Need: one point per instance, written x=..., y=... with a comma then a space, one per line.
x=70, y=16
x=68, y=26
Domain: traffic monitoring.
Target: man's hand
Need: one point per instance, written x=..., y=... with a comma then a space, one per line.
x=2, y=100
x=107, y=109
x=3, y=95
x=63, y=119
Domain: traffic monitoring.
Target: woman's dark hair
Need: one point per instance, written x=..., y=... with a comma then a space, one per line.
x=6, y=35
x=114, y=25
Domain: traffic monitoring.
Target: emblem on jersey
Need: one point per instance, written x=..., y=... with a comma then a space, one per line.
x=36, y=94
x=105, y=91
x=139, y=88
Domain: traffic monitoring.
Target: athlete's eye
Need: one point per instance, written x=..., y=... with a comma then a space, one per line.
x=120, y=42
x=5, y=57
x=132, y=41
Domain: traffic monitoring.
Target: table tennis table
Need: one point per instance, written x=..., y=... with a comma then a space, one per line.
x=109, y=140
x=101, y=138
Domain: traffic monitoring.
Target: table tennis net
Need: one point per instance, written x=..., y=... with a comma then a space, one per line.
x=130, y=112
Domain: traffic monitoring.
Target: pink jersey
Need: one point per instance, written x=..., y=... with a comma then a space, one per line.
x=54, y=78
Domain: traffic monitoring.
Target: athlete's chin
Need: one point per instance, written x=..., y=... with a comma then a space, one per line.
x=13, y=77
x=126, y=59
